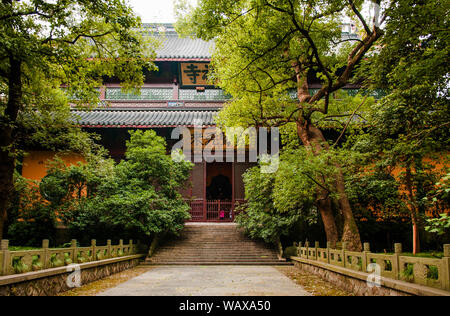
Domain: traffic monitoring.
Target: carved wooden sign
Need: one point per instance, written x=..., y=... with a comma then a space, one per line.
x=194, y=74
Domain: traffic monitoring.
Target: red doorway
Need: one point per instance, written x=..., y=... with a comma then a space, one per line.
x=217, y=204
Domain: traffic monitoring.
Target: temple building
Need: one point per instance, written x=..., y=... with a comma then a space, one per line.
x=177, y=95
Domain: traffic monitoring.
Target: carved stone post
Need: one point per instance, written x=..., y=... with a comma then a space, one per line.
x=46, y=254
x=94, y=249
x=446, y=260
x=316, y=246
x=344, y=259
x=396, y=265
x=73, y=245
x=366, y=250
x=108, y=248
x=328, y=251
x=307, y=249
x=5, y=257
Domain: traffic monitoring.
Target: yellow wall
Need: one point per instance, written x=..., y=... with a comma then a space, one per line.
x=35, y=163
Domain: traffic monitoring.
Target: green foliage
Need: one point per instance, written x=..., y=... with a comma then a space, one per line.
x=408, y=272
x=71, y=43
x=412, y=121
x=31, y=218
x=408, y=128
x=439, y=197
x=277, y=202
x=137, y=197
x=290, y=252
x=258, y=45
x=438, y=225
x=375, y=194
x=50, y=44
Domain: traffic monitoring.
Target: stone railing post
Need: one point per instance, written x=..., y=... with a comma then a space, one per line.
x=130, y=249
x=73, y=245
x=94, y=249
x=398, y=249
x=299, y=251
x=307, y=249
x=344, y=259
x=328, y=251
x=46, y=254
x=5, y=257
x=446, y=269
x=120, y=246
x=366, y=250
x=108, y=248
x=316, y=245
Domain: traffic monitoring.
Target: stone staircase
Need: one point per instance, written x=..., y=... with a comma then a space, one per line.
x=213, y=244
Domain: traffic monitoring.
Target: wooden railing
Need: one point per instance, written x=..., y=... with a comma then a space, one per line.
x=15, y=262
x=212, y=210
x=432, y=272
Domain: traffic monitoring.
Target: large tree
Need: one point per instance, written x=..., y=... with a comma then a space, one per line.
x=410, y=126
x=46, y=44
x=266, y=49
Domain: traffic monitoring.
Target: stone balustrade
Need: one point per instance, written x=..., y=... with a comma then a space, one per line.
x=431, y=272
x=17, y=262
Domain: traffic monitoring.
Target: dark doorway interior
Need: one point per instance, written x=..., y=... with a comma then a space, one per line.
x=219, y=186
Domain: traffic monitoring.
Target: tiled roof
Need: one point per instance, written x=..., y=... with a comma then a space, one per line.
x=143, y=118
x=174, y=47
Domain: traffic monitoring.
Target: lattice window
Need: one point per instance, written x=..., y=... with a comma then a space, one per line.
x=146, y=94
x=208, y=94
x=377, y=94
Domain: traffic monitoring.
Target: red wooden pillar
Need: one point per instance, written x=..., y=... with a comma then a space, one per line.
x=232, y=191
x=204, y=191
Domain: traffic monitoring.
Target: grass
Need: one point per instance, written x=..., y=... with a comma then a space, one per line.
x=433, y=255
x=96, y=287
x=21, y=248
x=312, y=283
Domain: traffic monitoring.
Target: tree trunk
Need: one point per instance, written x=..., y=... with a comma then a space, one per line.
x=155, y=243
x=7, y=155
x=313, y=139
x=324, y=203
x=326, y=213
x=414, y=215
x=350, y=233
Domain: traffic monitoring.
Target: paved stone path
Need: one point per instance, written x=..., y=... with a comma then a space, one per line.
x=209, y=281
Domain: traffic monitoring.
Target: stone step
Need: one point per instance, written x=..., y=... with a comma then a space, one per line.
x=218, y=247
x=212, y=259
x=207, y=263
x=262, y=256
x=213, y=244
x=204, y=252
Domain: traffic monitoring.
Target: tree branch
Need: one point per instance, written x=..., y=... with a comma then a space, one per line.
x=360, y=17
x=349, y=120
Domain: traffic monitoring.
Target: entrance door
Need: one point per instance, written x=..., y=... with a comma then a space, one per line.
x=216, y=203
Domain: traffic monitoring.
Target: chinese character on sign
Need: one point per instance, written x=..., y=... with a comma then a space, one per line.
x=194, y=74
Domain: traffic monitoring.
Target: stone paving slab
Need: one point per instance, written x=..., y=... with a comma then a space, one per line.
x=209, y=281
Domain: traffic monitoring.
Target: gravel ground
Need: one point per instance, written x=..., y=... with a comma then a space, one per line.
x=312, y=283
x=209, y=281
x=99, y=286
